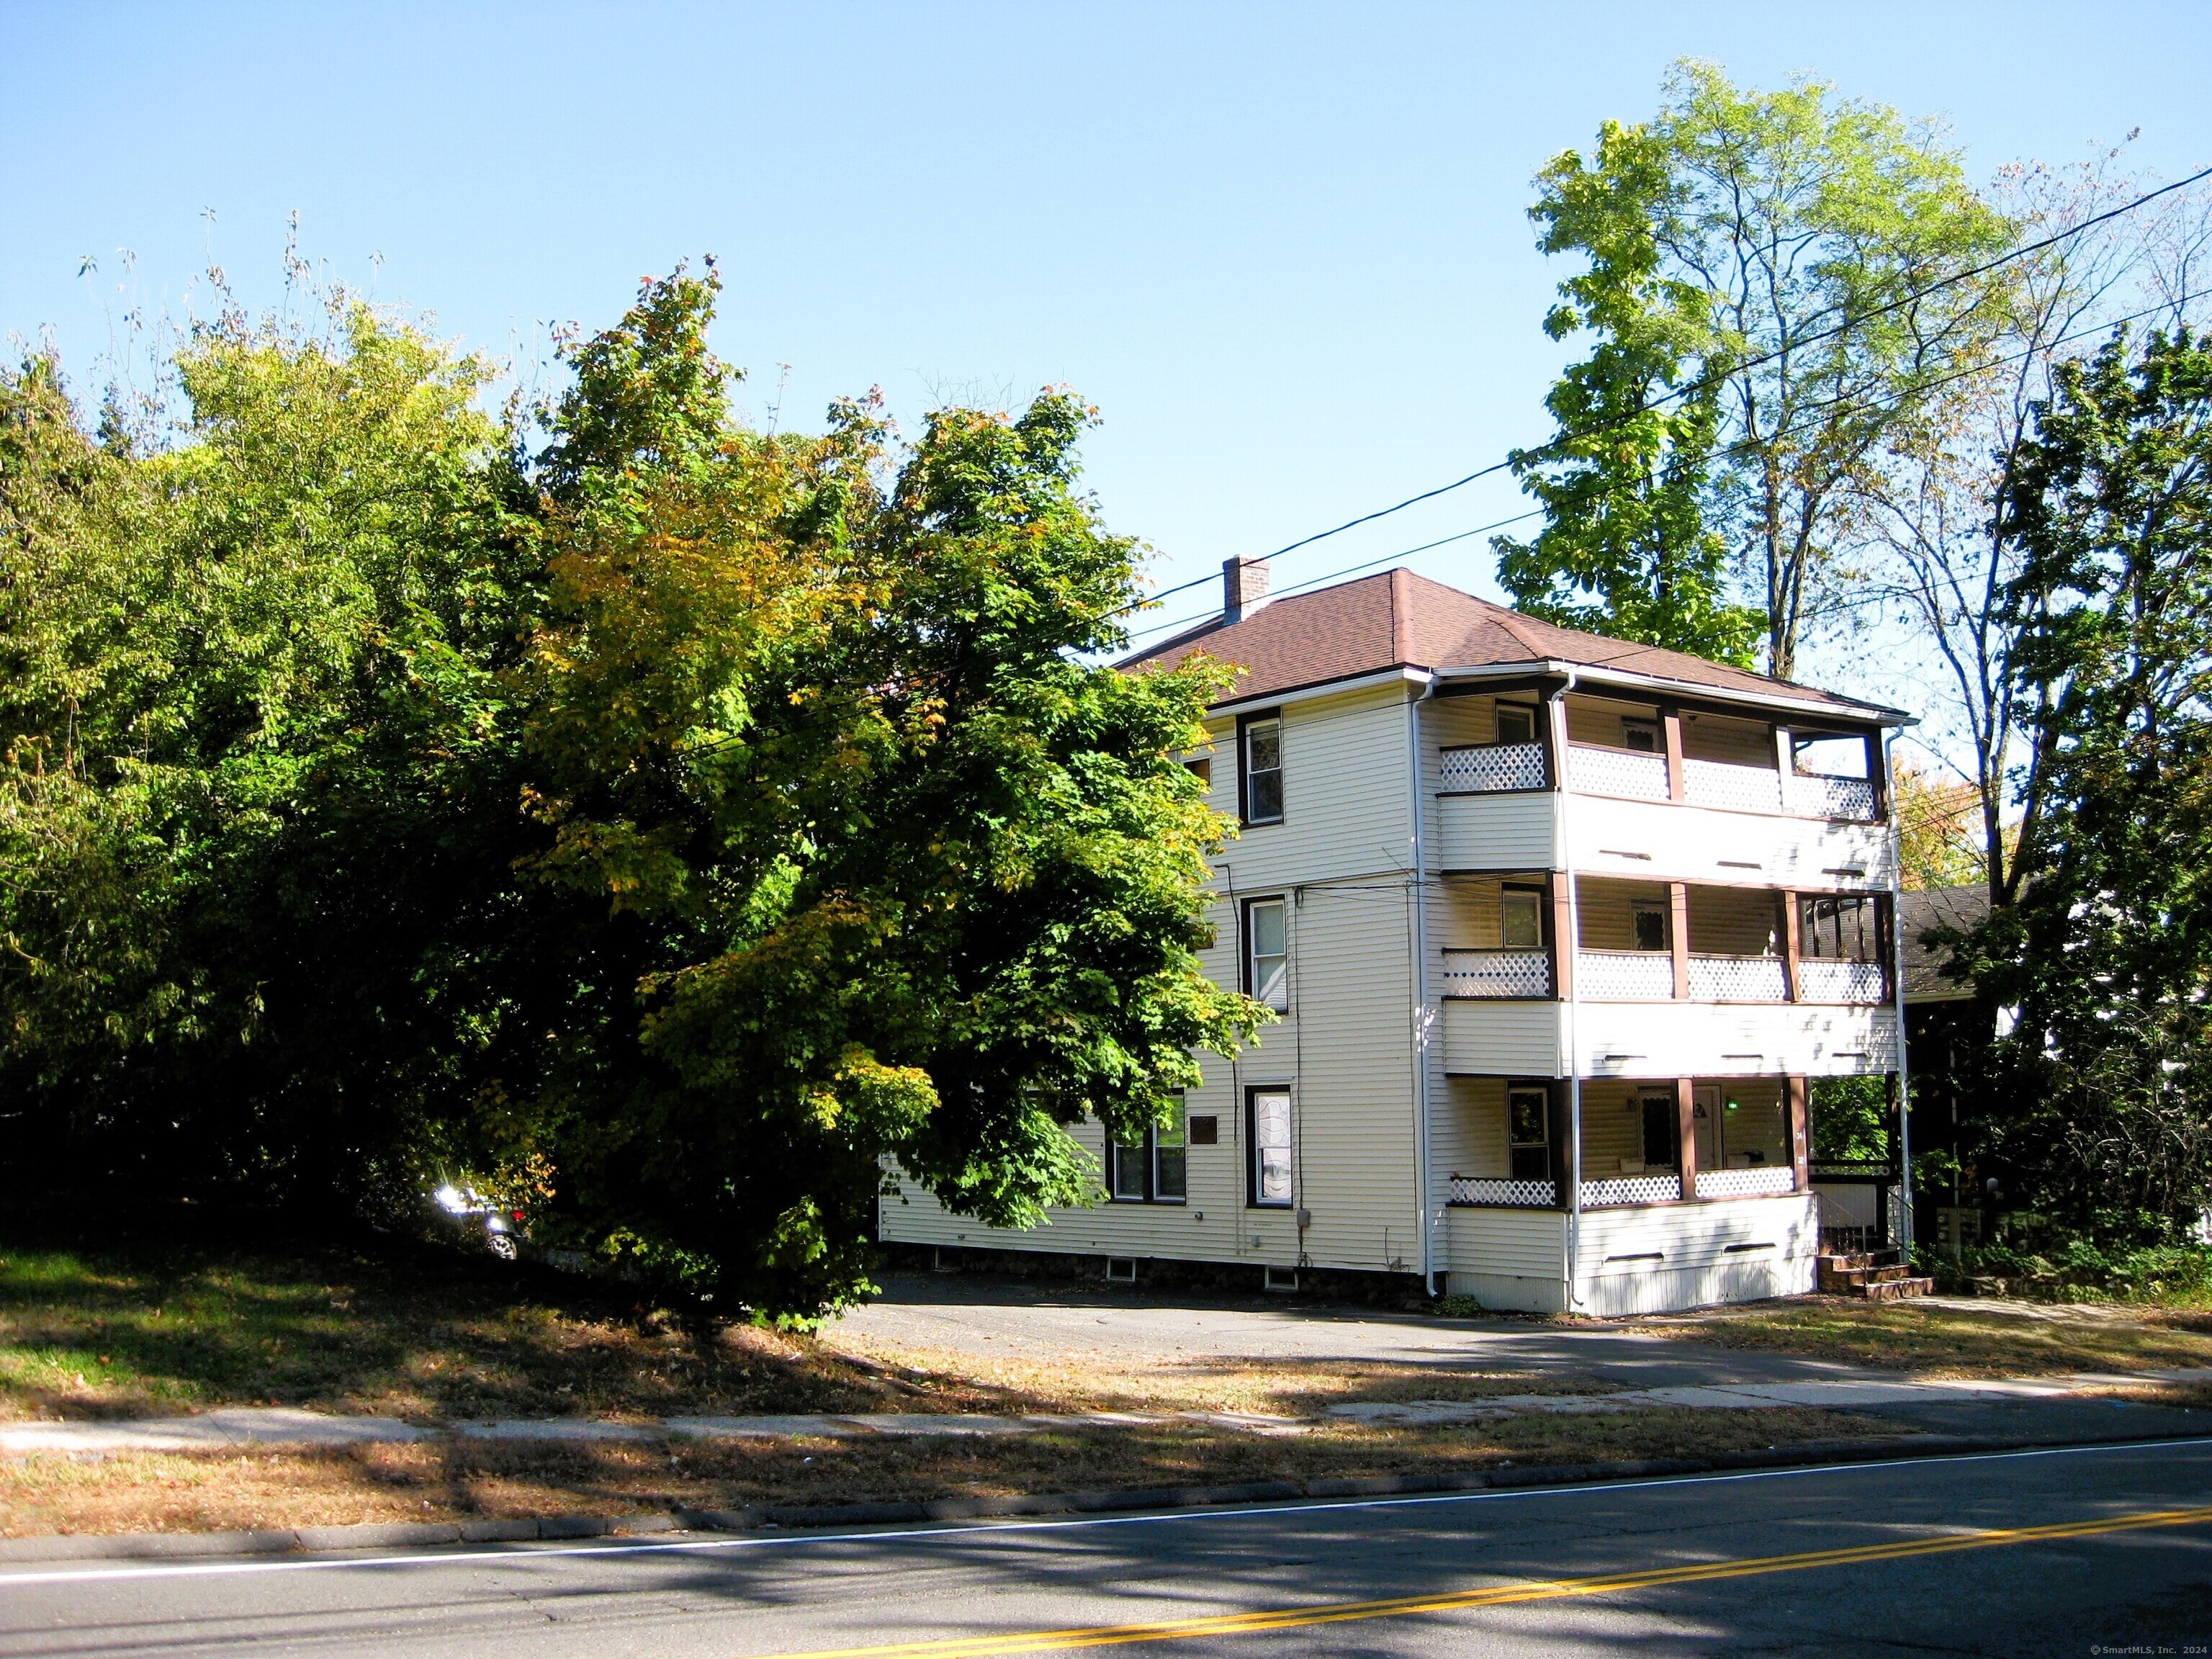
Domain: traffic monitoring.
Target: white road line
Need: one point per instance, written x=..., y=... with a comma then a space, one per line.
x=523, y=1555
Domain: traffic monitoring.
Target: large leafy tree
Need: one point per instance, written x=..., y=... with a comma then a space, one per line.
x=2102, y=1102
x=670, y=827
x=1772, y=261
x=1626, y=551
x=887, y=870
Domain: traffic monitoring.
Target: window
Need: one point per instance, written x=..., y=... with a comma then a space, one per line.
x=1652, y=928
x=1516, y=723
x=1642, y=736
x=1528, y=1132
x=1146, y=1166
x=1263, y=738
x=1660, y=1132
x=1838, y=929
x=1267, y=952
x=1521, y=919
x=1268, y=1114
x=1202, y=769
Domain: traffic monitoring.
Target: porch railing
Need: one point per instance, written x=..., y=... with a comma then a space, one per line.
x=1738, y=978
x=1496, y=1193
x=1640, y=777
x=1497, y=973
x=1820, y=980
x=1625, y=976
x=1761, y=1180
x=1492, y=766
x=1617, y=1190
x=1617, y=772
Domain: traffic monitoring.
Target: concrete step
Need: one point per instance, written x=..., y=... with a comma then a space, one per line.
x=1896, y=1289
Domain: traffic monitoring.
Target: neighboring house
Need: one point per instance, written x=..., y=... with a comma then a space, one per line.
x=1560, y=928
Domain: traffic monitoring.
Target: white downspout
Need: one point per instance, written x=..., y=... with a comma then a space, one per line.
x=1425, y=1186
x=1897, y=972
x=1569, y=948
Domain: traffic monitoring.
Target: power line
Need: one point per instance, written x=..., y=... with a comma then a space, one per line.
x=1879, y=597
x=1710, y=379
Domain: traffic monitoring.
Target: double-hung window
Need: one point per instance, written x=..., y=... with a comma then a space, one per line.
x=1521, y=919
x=1267, y=952
x=1651, y=928
x=1528, y=1131
x=1517, y=723
x=1661, y=1131
x=1148, y=1165
x=1267, y=1133
x=1260, y=739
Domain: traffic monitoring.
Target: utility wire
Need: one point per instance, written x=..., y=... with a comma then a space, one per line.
x=1713, y=377
x=1879, y=597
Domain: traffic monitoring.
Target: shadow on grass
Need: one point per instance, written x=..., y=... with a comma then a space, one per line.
x=144, y=1326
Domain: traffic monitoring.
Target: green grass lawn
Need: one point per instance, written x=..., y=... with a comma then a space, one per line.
x=134, y=1330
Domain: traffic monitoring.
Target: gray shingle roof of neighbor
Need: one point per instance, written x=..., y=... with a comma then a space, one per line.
x=1936, y=907
x=1400, y=620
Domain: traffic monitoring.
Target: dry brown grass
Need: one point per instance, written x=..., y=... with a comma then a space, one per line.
x=2006, y=1340
x=441, y=1481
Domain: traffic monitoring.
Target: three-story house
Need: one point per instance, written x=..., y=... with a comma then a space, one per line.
x=1560, y=929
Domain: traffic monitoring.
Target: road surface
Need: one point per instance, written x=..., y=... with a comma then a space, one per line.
x=2055, y=1552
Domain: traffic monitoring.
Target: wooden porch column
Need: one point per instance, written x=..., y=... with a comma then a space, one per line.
x=1561, y=1125
x=1785, y=755
x=1793, y=945
x=1685, y=1133
x=1678, y=936
x=1800, y=1134
x=1877, y=775
x=1559, y=931
x=1670, y=724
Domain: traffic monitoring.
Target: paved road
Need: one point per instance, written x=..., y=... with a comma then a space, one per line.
x=2112, y=1567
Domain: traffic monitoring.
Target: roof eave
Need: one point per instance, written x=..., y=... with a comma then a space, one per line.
x=1874, y=714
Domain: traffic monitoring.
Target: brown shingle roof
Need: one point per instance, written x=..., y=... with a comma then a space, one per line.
x=1962, y=908
x=1400, y=620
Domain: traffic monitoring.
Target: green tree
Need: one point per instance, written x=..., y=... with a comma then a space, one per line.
x=1623, y=483
x=887, y=873
x=1780, y=284
x=2102, y=1107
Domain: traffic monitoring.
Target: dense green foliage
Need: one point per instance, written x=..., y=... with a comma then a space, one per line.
x=662, y=828
x=2099, y=1104
x=1751, y=255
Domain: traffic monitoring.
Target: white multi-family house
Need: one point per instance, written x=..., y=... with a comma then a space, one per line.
x=1560, y=930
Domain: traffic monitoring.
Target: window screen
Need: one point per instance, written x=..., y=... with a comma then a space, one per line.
x=1521, y=919
x=1527, y=1133
x=1838, y=929
x=1270, y=1113
x=1515, y=724
x=1263, y=771
x=1266, y=932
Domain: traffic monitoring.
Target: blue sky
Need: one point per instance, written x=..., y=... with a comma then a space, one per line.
x=1282, y=247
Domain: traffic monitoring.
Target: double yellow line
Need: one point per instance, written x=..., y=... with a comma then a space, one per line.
x=1345, y=1613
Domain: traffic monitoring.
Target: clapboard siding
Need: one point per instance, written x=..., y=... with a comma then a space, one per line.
x=1775, y=1240
x=1732, y=742
x=1502, y=1039
x=1508, y=829
x=1468, y=1134
x=1346, y=792
x=1745, y=849
x=1663, y=1039
x=1734, y=921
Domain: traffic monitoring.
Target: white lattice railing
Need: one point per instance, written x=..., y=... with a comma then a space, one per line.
x=1762, y=1180
x=1625, y=976
x=1631, y=1189
x=1494, y=766
x=1816, y=795
x=1822, y=981
x=1738, y=978
x=1617, y=772
x=1746, y=788
x=1497, y=973
x=1499, y=1194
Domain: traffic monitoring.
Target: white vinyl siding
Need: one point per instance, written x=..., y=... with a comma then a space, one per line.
x=1688, y=843
x=1674, y=1039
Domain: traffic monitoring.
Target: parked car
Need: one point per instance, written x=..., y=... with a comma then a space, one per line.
x=468, y=1211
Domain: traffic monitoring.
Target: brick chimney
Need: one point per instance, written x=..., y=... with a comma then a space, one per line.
x=1243, y=588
